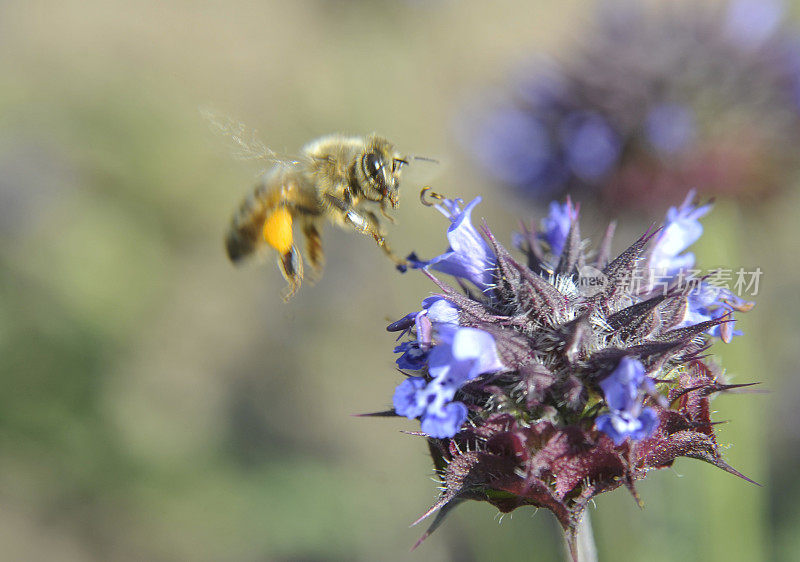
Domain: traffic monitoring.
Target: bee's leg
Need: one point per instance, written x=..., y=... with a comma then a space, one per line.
x=291, y=267
x=402, y=263
x=314, y=248
x=389, y=217
x=366, y=223
x=377, y=233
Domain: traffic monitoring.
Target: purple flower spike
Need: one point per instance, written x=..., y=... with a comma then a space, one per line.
x=453, y=356
x=543, y=391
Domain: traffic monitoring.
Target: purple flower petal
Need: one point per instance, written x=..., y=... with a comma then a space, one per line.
x=681, y=229
x=621, y=387
x=440, y=310
x=444, y=422
x=708, y=302
x=557, y=224
x=624, y=389
x=459, y=355
x=413, y=358
x=462, y=355
x=621, y=425
x=477, y=346
x=405, y=398
x=648, y=421
x=469, y=256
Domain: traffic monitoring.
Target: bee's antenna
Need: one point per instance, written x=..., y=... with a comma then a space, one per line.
x=426, y=192
x=425, y=159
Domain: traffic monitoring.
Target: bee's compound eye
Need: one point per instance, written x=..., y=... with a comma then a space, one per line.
x=373, y=165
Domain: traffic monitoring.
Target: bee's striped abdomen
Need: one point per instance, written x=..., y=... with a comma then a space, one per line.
x=244, y=234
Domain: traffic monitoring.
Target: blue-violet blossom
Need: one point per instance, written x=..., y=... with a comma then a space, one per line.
x=458, y=356
x=669, y=264
x=555, y=227
x=623, y=390
x=468, y=257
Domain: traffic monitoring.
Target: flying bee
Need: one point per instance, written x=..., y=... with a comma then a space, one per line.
x=344, y=179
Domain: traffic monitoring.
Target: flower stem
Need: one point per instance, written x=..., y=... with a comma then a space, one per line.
x=583, y=549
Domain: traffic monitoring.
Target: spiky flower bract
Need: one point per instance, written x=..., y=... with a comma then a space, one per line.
x=567, y=374
x=653, y=99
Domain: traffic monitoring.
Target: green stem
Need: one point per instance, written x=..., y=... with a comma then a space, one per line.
x=584, y=547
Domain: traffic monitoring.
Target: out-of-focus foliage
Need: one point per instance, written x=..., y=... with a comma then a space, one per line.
x=159, y=404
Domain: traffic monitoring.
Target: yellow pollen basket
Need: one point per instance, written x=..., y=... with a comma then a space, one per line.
x=278, y=230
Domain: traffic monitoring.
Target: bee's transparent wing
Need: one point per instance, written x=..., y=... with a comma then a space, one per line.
x=242, y=141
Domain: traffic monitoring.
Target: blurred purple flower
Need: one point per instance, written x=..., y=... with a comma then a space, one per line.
x=591, y=145
x=670, y=127
x=516, y=145
x=753, y=21
x=651, y=102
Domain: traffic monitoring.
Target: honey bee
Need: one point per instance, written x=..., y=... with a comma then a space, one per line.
x=344, y=179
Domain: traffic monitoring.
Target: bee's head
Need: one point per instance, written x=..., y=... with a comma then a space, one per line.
x=381, y=165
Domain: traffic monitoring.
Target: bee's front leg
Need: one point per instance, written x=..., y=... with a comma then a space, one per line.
x=389, y=217
x=377, y=234
x=366, y=223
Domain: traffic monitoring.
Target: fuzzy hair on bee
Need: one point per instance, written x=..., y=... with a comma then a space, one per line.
x=343, y=179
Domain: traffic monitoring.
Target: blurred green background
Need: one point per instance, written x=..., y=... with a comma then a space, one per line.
x=159, y=404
